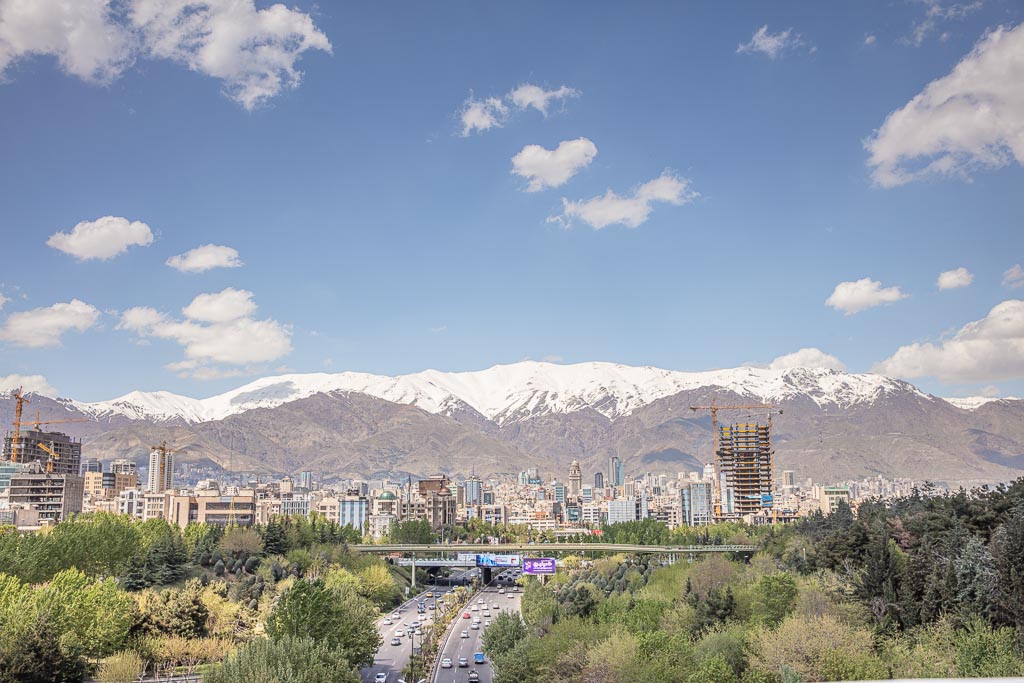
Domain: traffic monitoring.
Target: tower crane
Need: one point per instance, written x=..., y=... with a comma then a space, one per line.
x=54, y=455
x=19, y=405
x=714, y=408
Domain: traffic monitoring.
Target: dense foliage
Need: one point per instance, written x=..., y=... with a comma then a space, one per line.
x=926, y=586
x=107, y=595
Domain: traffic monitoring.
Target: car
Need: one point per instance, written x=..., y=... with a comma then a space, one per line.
x=463, y=662
x=465, y=615
x=478, y=657
x=474, y=608
x=396, y=641
x=419, y=632
x=431, y=606
x=495, y=606
x=395, y=616
x=479, y=601
x=475, y=627
x=387, y=621
x=464, y=634
x=428, y=594
x=511, y=596
x=486, y=624
x=415, y=624
x=487, y=613
x=473, y=676
x=399, y=633
x=380, y=678
x=446, y=663
x=501, y=591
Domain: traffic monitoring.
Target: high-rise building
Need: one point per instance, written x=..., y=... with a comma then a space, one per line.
x=575, y=479
x=626, y=510
x=306, y=480
x=55, y=496
x=598, y=480
x=90, y=465
x=161, y=470
x=122, y=466
x=616, y=471
x=56, y=451
x=697, y=503
x=788, y=478
x=745, y=465
x=559, y=491
x=474, y=491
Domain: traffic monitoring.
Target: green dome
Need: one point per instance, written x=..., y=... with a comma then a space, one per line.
x=387, y=495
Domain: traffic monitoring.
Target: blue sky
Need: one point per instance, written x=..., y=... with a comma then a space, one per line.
x=375, y=236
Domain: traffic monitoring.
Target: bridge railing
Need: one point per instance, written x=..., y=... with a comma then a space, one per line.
x=542, y=548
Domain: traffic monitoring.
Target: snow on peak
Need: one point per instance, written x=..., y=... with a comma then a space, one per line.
x=975, y=402
x=508, y=393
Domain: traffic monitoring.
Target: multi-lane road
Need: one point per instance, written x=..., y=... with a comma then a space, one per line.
x=391, y=660
x=488, y=602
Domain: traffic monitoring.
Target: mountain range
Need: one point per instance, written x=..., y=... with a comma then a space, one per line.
x=833, y=425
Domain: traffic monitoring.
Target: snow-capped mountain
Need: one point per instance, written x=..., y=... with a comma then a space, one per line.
x=975, y=402
x=508, y=393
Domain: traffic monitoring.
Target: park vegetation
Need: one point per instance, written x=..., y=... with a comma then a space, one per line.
x=921, y=587
x=111, y=598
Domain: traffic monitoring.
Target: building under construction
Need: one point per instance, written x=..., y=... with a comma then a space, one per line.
x=745, y=468
x=55, y=451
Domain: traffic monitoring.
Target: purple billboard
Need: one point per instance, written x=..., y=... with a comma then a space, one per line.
x=539, y=565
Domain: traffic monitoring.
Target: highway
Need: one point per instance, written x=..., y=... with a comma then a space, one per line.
x=456, y=646
x=392, y=659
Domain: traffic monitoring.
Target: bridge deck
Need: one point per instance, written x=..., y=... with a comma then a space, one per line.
x=544, y=548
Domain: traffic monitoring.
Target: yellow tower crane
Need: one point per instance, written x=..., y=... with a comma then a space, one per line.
x=19, y=406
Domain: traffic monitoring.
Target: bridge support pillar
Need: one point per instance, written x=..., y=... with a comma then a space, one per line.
x=412, y=575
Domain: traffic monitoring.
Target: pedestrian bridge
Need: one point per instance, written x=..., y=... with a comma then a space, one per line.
x=542, y=549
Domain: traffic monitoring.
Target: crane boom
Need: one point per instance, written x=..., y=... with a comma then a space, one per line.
x=54, y=455
x=19, y=404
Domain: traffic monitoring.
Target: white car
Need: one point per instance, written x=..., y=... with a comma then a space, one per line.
x=446, y=663
x=380, y=678
x=486, y=624
x=464, y=634
x=387, y=621
x=495, y=606
x=480, y=601
x=399, y=633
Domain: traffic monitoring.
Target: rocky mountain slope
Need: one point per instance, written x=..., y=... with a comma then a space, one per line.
x=834, y=425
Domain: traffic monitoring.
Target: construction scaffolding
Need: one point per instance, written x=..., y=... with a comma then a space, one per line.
x=745, y=460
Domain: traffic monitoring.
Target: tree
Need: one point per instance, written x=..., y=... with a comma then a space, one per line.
x=286, y=659
x=91, y=616
x=340, y=618
x=241, y=541
x=32, y=652
x=774, y=598
x=378, y=585
x=274, y=541
x=1008, y=555
x=412, y=531
x=123, y=667
x=174, y=611
x=504, y=634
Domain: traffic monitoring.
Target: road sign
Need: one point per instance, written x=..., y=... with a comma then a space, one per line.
x=539, y=565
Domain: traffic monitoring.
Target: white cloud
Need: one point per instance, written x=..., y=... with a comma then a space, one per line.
x=870, y=40
x=481, y=115
x=771, y=44
x=972, y=118
x=936, y=12
x=221, y=307
x=553, y=168
x=252, y=51
x=3, y=300
x=81, y=35
x=31, y=384
x=205, y=258
x=477, y=116
x=986, y=350
x=952, y=279
x=1014, y=277
x=807, y=358
x=610, y=208
x=218, y=329
x=528, y=95
x=103, y=238
x=42, y=327
x=856, y=296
